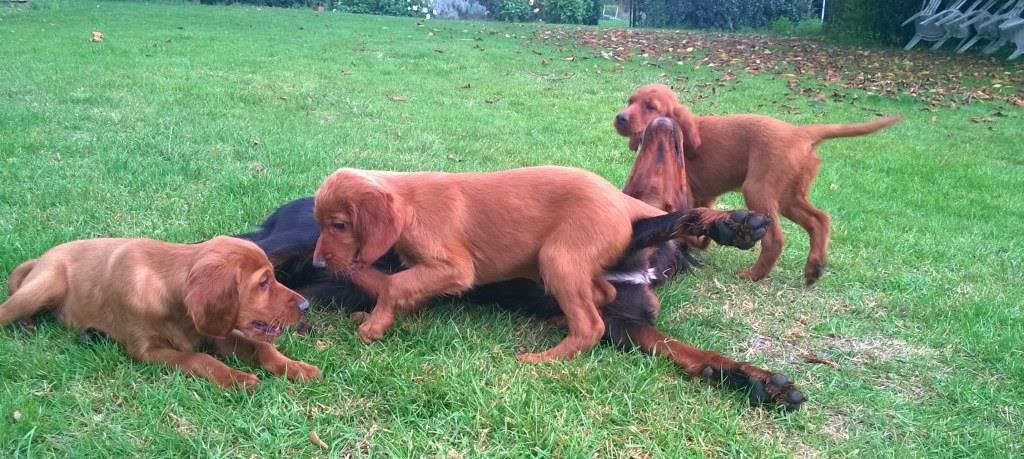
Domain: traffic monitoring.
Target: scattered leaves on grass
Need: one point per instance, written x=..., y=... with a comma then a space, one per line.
x=96, y=37
x=15, y=416
x=465, y=86
x=28, y=325
x=315, y=439
x=182, y=425
x=397, y=98
x=453, y=158
x=255, y=141
x=935, y=78
x=258, y=169
x=811, y=358
x=492, y=100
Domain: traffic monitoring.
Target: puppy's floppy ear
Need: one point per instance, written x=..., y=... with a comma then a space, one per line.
x=634, y=141
x=377, y=224
x=686, y=120
x=211, y=296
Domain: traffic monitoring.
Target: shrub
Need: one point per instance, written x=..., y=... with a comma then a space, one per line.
x=565, y=11
x=517, y=10
x=385, y=7
x=878, y=20
x=740, y=14
x=595, y=13
x=274, y=3
x=454, y=9
x=721, y=14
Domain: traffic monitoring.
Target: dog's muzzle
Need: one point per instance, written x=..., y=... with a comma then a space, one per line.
x=621, y=119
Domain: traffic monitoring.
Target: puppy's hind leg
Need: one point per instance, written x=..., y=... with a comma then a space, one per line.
x=33, y=289
x=578, y=295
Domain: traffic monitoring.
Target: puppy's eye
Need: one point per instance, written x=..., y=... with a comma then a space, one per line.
x=338, y=227
x=650, y=106
x=264, y=283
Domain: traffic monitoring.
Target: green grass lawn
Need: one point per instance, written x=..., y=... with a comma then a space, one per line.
x=191, y=121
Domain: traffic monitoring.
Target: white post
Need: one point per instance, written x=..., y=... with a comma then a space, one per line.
x=823, y=11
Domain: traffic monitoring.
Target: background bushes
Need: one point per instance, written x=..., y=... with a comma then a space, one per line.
x=716, y=14
x=877, y=20
x=722, y=14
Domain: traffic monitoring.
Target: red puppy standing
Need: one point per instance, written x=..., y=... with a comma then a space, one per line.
x=557, y=225
x=772, y=162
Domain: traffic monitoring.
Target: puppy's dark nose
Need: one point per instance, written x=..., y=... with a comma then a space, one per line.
x=303, y=305
x=319, y=262
x=621, y=118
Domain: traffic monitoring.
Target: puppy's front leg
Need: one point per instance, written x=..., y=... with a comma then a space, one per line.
x=267, y=357
x=200, y=365
x=368, y=278
x=407, y=290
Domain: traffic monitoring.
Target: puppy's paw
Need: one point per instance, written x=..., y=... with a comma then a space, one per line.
x=370, y=331
x=813, y=272
x=301, y=371
x=741, y=229
x=762, y=387
x=750, y=274
x=532, y=357
x=244, y=380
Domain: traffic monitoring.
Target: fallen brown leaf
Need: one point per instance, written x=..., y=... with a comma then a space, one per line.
x=315, y=439
x=16, y=416
x=96, y=37
x=811, y=358
x=397, y=98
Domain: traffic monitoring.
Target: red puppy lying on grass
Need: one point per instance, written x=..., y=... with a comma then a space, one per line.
x=559, y=226
x=160, y=300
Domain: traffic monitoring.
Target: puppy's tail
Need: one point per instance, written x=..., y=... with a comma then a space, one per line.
x=19, y=274
x=820, y=132
x=29, y=296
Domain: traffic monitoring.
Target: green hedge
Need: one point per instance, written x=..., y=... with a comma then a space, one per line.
x=552, y=11
x=721, y=14
x=877, y=20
